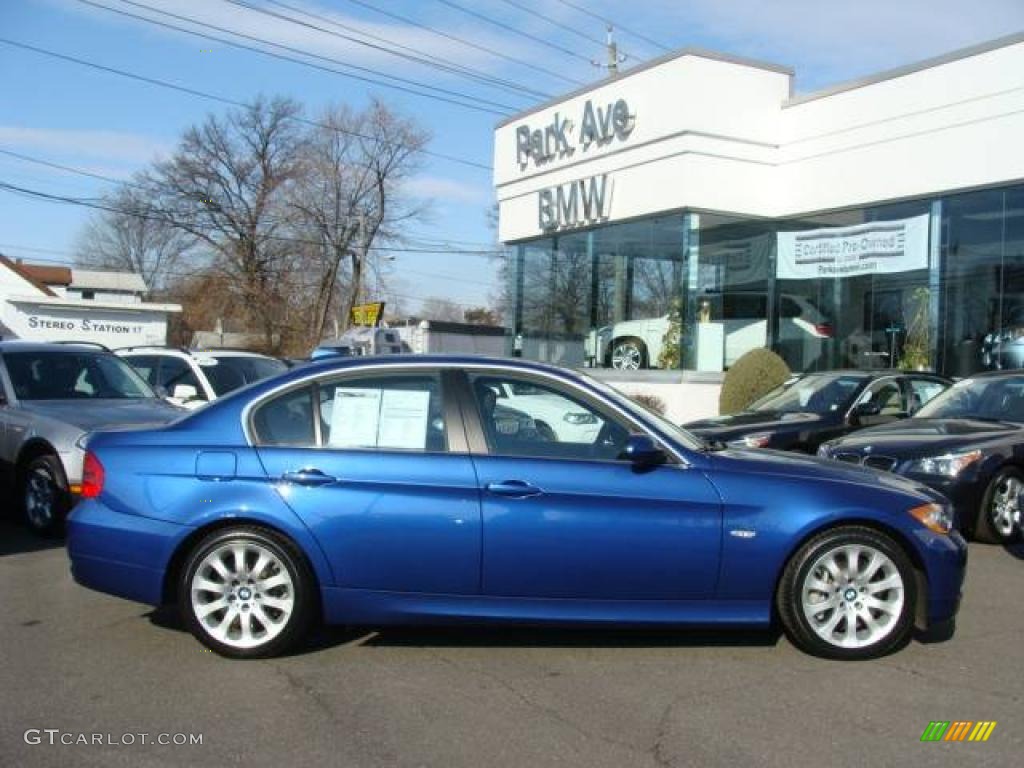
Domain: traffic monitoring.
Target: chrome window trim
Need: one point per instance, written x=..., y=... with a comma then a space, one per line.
x=440, y=366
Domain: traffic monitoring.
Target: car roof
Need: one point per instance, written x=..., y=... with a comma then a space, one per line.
x=196, y=353
x=17, y=345
x=326, y=364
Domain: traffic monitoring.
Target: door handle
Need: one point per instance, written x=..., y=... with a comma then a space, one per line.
x=309, y=476
x=514, y=489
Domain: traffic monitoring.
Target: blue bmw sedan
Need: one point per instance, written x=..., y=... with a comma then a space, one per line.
x=437, y=490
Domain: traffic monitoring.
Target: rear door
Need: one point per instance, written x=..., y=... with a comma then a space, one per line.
x=376, y=465
x=563, y=517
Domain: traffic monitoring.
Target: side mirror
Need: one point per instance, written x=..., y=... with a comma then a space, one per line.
x=642, y=451
x=185, y=392
x=863, y=411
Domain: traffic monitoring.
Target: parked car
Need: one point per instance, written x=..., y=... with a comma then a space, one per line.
x=810, y=409
x=636, y=344
x=360, y=340
x=192, y=378
x=406, y=502
x=51, y=395
x=1004, y=349
x=967, y=443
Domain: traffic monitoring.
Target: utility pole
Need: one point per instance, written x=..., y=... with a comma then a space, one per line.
x=614, y=57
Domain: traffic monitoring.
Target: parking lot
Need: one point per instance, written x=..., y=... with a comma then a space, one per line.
x=84, y=663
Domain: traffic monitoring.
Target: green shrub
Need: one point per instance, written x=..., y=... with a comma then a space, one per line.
x=754, y=375
x=651, y=403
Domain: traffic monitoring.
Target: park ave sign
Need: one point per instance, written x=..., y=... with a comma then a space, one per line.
x=582, y=201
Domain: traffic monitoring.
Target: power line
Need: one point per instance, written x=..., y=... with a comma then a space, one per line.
x=484, y=105
x=465, y=42
x=514, y=30
x=392, y=48
x=231, y=102
x=34, y=193
x=555, y=22
x=605, y=20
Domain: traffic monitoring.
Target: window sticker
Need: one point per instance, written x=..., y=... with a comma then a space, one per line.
x=375, y=418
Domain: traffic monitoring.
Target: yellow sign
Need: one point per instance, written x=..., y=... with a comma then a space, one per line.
x=367, y=314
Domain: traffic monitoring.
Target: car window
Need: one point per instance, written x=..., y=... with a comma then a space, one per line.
x=813, y=393
x=175, y=371
x=73, y=375
x=888, y=395
x=286, y=420
x=923, y=390
x=394, y=412
x=544, y=422
x=994, y=399
x=146, y=365
x=229, y=372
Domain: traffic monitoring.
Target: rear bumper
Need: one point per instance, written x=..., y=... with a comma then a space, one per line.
x=122, y=555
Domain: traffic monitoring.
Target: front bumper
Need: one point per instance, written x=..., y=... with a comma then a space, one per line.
x=122, y=555
x=945, y=560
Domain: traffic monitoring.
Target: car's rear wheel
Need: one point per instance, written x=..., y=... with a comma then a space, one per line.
x=848, y=593
x=246, y=592
x=43, y=492
x=629, y=355
x=997, y=515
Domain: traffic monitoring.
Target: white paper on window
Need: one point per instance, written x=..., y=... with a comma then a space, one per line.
x=374, y=418
x=355, y=418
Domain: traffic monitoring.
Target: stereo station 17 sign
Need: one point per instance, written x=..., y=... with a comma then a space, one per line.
x=880, y=247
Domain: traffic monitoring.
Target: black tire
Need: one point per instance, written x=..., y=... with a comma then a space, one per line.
x=43, y=495
x=986, y=529
x=631, y=346
x=303, y=588
x=789, y=601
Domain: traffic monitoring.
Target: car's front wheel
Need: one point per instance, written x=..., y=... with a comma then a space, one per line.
x=848, y=593
x=997, y=515
x=43, y=491
x=246, y=592
x=629, y=355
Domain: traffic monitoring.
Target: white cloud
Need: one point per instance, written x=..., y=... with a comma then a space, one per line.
x=111, y=146
x=447, y=190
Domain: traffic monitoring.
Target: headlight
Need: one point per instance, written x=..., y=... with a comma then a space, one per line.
x=934, y=517
x=753, y=440
x=580, y=418
x=949, y=465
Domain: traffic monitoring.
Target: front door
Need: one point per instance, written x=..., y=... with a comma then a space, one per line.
x=379, y=472
x=563, y=517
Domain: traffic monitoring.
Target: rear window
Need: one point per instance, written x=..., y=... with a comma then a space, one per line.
x=73, y=375
x=228, y=373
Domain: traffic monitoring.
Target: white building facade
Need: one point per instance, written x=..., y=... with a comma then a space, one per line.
x=688, y=210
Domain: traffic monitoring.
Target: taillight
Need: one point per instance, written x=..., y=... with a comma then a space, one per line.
x=92, y=476
x=823, y=329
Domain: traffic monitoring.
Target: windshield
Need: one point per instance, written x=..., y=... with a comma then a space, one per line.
x=231, y=372
x=73, y=375
x=674, y=431
x=815, y=393
x=995, y=399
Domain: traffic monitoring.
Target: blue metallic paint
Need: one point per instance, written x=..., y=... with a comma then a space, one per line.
x=404, y=537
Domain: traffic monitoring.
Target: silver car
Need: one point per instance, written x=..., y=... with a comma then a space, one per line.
x=51, y=396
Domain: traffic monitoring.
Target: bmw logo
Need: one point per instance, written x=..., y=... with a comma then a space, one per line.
x=244, y=593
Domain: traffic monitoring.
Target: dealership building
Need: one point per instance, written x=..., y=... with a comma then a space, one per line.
x=683, y=212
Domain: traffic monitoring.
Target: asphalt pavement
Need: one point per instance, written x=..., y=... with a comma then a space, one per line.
x=77, y=665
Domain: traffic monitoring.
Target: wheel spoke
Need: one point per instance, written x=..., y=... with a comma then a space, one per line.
x=872, y=567
x=885, y=606
x=238, y=552
x=817, y=585
x=281, y=604
x=261, y=565
x=889, y=582
x=852, y=559
x=205, y=585
x=850, y=636
x=222, y=570
x=221, y=630
x=277, y=580
x=211, y=607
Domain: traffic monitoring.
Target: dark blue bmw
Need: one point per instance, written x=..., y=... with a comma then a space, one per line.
x=434, y=490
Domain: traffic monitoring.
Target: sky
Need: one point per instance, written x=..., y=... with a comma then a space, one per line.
x=511, y=54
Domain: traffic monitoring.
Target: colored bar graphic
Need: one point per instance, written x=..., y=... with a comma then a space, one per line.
x=982, y=731
x=935, y=731
x=958, y=730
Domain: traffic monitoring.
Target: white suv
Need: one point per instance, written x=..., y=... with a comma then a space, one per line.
x=192, y=377
x=634, y=344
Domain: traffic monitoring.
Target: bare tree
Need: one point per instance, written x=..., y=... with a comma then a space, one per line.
x=225, y=185
x=436, y=308
x=347, y=197
x=125, y=237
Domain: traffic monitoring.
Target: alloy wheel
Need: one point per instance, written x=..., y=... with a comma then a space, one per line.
x=242, y=594
x=852, y=596
x=1004, y=507
x=626, y=357
x=40, y=498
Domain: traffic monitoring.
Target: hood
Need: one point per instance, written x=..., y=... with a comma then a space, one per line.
x=747, y=422
x=92, y=415
x=912, y=438
x=801, y=466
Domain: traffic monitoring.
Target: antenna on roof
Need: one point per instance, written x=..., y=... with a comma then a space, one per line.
x=614, y=57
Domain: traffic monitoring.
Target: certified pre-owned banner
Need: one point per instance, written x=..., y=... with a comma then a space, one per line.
x=863, y=249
